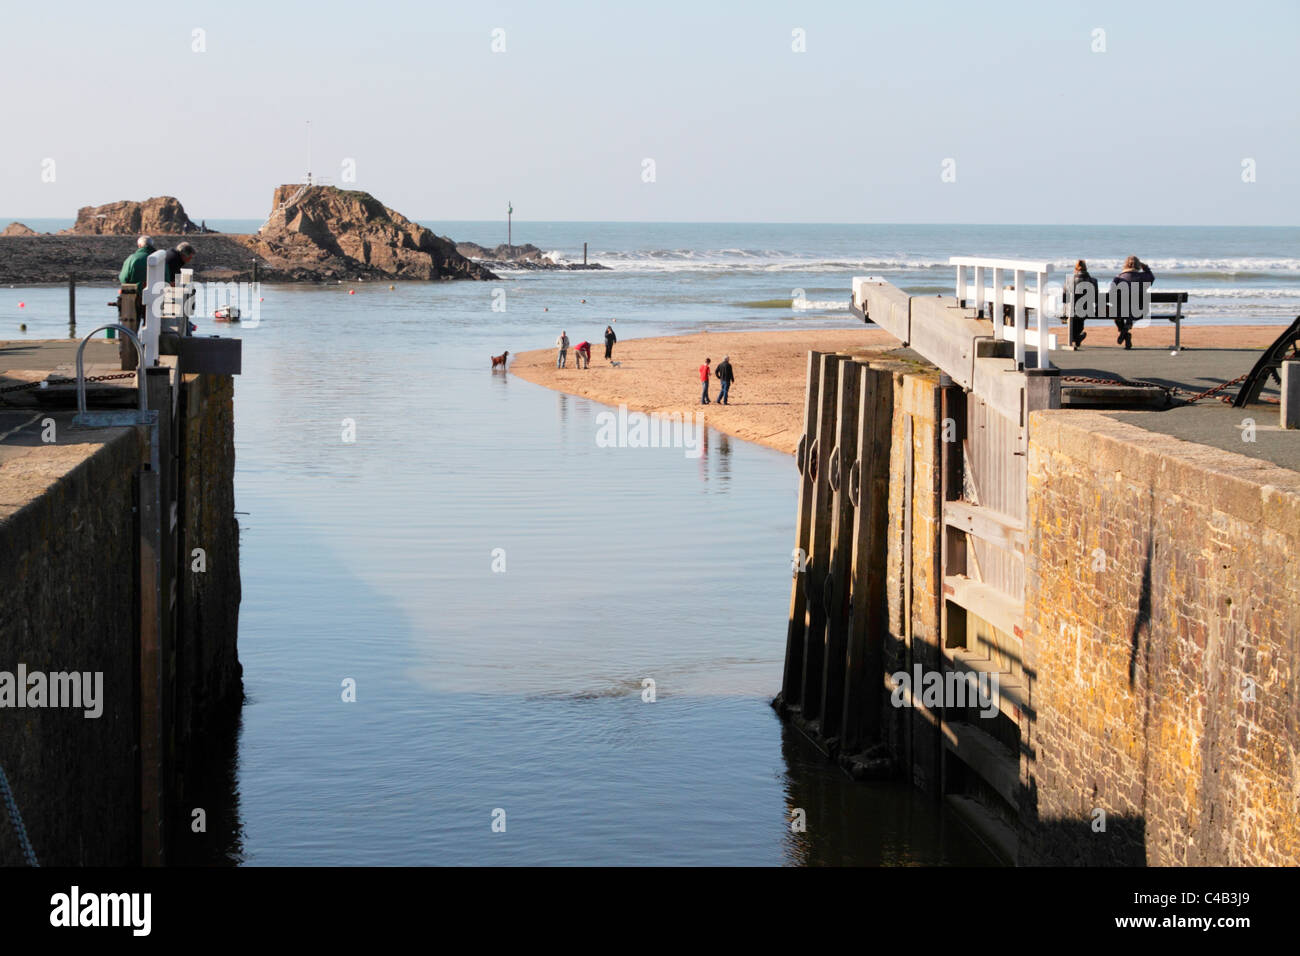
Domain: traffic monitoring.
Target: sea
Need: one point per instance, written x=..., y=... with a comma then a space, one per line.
x=472, y=635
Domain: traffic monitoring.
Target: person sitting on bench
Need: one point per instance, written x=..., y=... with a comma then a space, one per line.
x=1080, y=301
x=1128, y=297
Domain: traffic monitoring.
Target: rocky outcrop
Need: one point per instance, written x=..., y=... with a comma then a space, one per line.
x=162, y=215
x=19, y=229
x=326, y=232
x=526, y=256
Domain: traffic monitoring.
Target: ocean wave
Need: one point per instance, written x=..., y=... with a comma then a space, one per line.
x=799, y=305
x=778, y=260
x=811, y=305
x=1239, y=293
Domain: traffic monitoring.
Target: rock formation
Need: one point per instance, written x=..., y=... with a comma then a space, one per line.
x=19, y=229
x=526, y=256
x=162, y=216
x=328, y=232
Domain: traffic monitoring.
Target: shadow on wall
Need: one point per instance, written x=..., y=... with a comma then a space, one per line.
x=1100, y=839
x=1142, y=621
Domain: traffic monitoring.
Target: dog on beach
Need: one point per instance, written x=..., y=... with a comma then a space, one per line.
x=500, y=360
x=615, y=364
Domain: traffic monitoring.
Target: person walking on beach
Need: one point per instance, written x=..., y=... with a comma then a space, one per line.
x=1128, y=297
x=610, y=339
x=135, y=270
x=1080, y=301
x=704, y=377
x=726, y=376
x=562, y=343
x=583, y=354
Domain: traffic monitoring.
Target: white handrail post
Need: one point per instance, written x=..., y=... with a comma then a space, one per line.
x=155, y=282
x=1040, y=288
x=997, y=304
x=979, y=289
x=1020, y=318
x=961, y=285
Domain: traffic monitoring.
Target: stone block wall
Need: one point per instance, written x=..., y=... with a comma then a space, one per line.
x=1163, y=621
x=68, y=571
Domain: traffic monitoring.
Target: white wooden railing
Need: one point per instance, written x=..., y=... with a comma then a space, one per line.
x=988, y=289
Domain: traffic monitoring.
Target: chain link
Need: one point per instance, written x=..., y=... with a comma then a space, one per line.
x=45, y=383
x=16, y=819
x=1172, y=390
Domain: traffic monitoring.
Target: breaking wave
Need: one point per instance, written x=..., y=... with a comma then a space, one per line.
x=778, y=260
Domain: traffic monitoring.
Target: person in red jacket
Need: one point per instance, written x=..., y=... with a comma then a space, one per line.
x=583, y=354
x=704, y=377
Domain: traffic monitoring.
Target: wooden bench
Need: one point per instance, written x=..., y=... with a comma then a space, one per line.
x=1176, y=299
x=1105, y=309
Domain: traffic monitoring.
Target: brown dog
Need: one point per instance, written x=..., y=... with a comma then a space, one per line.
x=499, y=360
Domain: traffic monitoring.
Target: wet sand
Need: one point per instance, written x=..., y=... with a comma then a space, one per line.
x=662, y=374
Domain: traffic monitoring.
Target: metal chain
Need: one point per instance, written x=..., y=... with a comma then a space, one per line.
x=44, y=383
x=17, y=819
x=1171, y=389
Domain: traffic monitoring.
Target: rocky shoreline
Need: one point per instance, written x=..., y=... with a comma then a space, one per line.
x=314, y=234
x=526, y=256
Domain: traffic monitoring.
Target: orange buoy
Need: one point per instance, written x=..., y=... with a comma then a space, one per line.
x=22, y=305
x=352, y=291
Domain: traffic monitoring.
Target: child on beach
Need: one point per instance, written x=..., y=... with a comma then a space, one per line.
x=704, y=377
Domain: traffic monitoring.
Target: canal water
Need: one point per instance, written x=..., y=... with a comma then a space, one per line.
x=501, y=588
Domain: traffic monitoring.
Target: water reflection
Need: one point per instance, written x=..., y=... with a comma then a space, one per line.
x=850, y=823
x=520, y=689
x=715, y=458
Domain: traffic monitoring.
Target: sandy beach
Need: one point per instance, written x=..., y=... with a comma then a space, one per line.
x=661, y=374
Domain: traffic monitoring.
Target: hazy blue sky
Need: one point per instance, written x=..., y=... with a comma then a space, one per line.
x=740, y=127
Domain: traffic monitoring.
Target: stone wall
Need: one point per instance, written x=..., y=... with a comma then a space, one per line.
x=208, y=672
x=68, y=602
x=1163, y=620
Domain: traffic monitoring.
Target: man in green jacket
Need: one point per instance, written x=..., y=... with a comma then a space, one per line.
x=136, y=267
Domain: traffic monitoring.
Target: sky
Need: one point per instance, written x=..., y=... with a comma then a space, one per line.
x=928, y=112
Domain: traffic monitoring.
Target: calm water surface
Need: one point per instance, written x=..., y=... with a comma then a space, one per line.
x=520, y=690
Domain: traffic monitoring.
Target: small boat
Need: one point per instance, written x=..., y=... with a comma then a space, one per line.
x=226, y=313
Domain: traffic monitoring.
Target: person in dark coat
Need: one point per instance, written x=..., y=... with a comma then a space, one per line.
x=610, y=339
x=1080, y=302
x=726, y=376
x=1128, y=297
x=177, y=259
